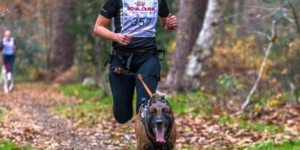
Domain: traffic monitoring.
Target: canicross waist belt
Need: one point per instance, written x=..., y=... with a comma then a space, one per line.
x=120, y=54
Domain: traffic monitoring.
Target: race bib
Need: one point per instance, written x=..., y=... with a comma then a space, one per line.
x=139, y=17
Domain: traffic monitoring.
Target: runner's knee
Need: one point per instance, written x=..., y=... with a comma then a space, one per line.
x=122, y=115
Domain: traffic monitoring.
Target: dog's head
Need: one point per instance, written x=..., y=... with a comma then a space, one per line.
x=159, y=119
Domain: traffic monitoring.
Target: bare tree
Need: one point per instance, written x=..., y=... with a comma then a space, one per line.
x=238, y=9
x=206, y=41
x=191, y=15
x=62, y=54
x=262, y=67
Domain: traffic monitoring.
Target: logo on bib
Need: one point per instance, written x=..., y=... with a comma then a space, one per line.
x=138, y=3
x=140, y=6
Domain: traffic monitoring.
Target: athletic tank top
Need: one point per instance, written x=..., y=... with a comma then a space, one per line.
x=137, y=18
x=8, y=44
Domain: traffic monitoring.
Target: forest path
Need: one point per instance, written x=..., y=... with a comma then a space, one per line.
x=28, y=119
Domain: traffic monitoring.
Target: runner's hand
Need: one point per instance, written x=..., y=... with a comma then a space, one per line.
x=171, y=22
x=124, y=39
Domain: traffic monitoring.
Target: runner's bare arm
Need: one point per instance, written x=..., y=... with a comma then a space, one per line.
x=15, y=45
x=101, y=30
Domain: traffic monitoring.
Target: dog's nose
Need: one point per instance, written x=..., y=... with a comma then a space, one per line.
x=159, y=122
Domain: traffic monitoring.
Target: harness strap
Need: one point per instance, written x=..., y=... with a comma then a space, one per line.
x=129, y=61
x=120, y=54
x=108, y=60
x=161, y=51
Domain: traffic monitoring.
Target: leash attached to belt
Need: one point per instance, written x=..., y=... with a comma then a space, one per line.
x=119, y=70
x=145, y=86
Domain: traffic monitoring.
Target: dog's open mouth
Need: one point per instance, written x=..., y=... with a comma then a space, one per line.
x=160, y=134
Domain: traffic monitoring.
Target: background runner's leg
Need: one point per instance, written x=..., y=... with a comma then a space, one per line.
x=11, y=63
x=151, y=66
x=6, y=62
x=4, y=80
x=11, y=85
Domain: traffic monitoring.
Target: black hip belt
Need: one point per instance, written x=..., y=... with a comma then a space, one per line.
x=120, y=54
x=119, y=70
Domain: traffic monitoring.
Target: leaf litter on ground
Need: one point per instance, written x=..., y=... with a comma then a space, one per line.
x=27, y=121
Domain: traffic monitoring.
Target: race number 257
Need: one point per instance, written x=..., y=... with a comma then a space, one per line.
x=141, y=21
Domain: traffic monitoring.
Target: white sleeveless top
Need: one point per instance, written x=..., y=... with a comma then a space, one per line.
x=8, y=48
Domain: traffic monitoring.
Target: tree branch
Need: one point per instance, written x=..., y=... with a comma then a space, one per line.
x=295, y=17
x=272, y=40
x=273, y=13
x=261, y=33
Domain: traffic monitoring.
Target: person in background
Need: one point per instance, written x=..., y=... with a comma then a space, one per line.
x=8, y=47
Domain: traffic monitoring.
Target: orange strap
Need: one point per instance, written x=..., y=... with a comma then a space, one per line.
x=145, y=86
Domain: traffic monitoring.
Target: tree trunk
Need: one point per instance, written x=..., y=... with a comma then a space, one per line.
x=190, y=19
x=238, y=10
x=204, y=47
x=62, y=55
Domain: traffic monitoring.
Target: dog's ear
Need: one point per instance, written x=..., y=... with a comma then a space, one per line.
x=153, y=100
x=163, y=100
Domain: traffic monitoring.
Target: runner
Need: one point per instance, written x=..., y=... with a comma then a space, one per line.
x=8, y=45
x=134, y=48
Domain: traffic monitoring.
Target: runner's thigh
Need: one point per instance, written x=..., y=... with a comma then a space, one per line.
x=122, y=87
x=149, y=67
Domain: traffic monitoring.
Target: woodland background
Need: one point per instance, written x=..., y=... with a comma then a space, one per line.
x=213, y=60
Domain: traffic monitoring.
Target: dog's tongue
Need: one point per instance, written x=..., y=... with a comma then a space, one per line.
x=160, y=134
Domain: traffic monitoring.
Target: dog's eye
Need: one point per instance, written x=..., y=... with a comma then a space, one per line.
x=165, y=111
x=153, y=111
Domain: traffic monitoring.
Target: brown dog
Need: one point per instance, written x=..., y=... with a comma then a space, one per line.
x=155, y=127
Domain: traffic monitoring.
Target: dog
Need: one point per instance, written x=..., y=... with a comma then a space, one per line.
x=155, y=127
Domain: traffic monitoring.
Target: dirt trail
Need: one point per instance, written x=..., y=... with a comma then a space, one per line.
x=27, y=121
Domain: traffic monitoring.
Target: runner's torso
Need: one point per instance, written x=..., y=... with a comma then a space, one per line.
x=8, y=44
x=137, y=18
